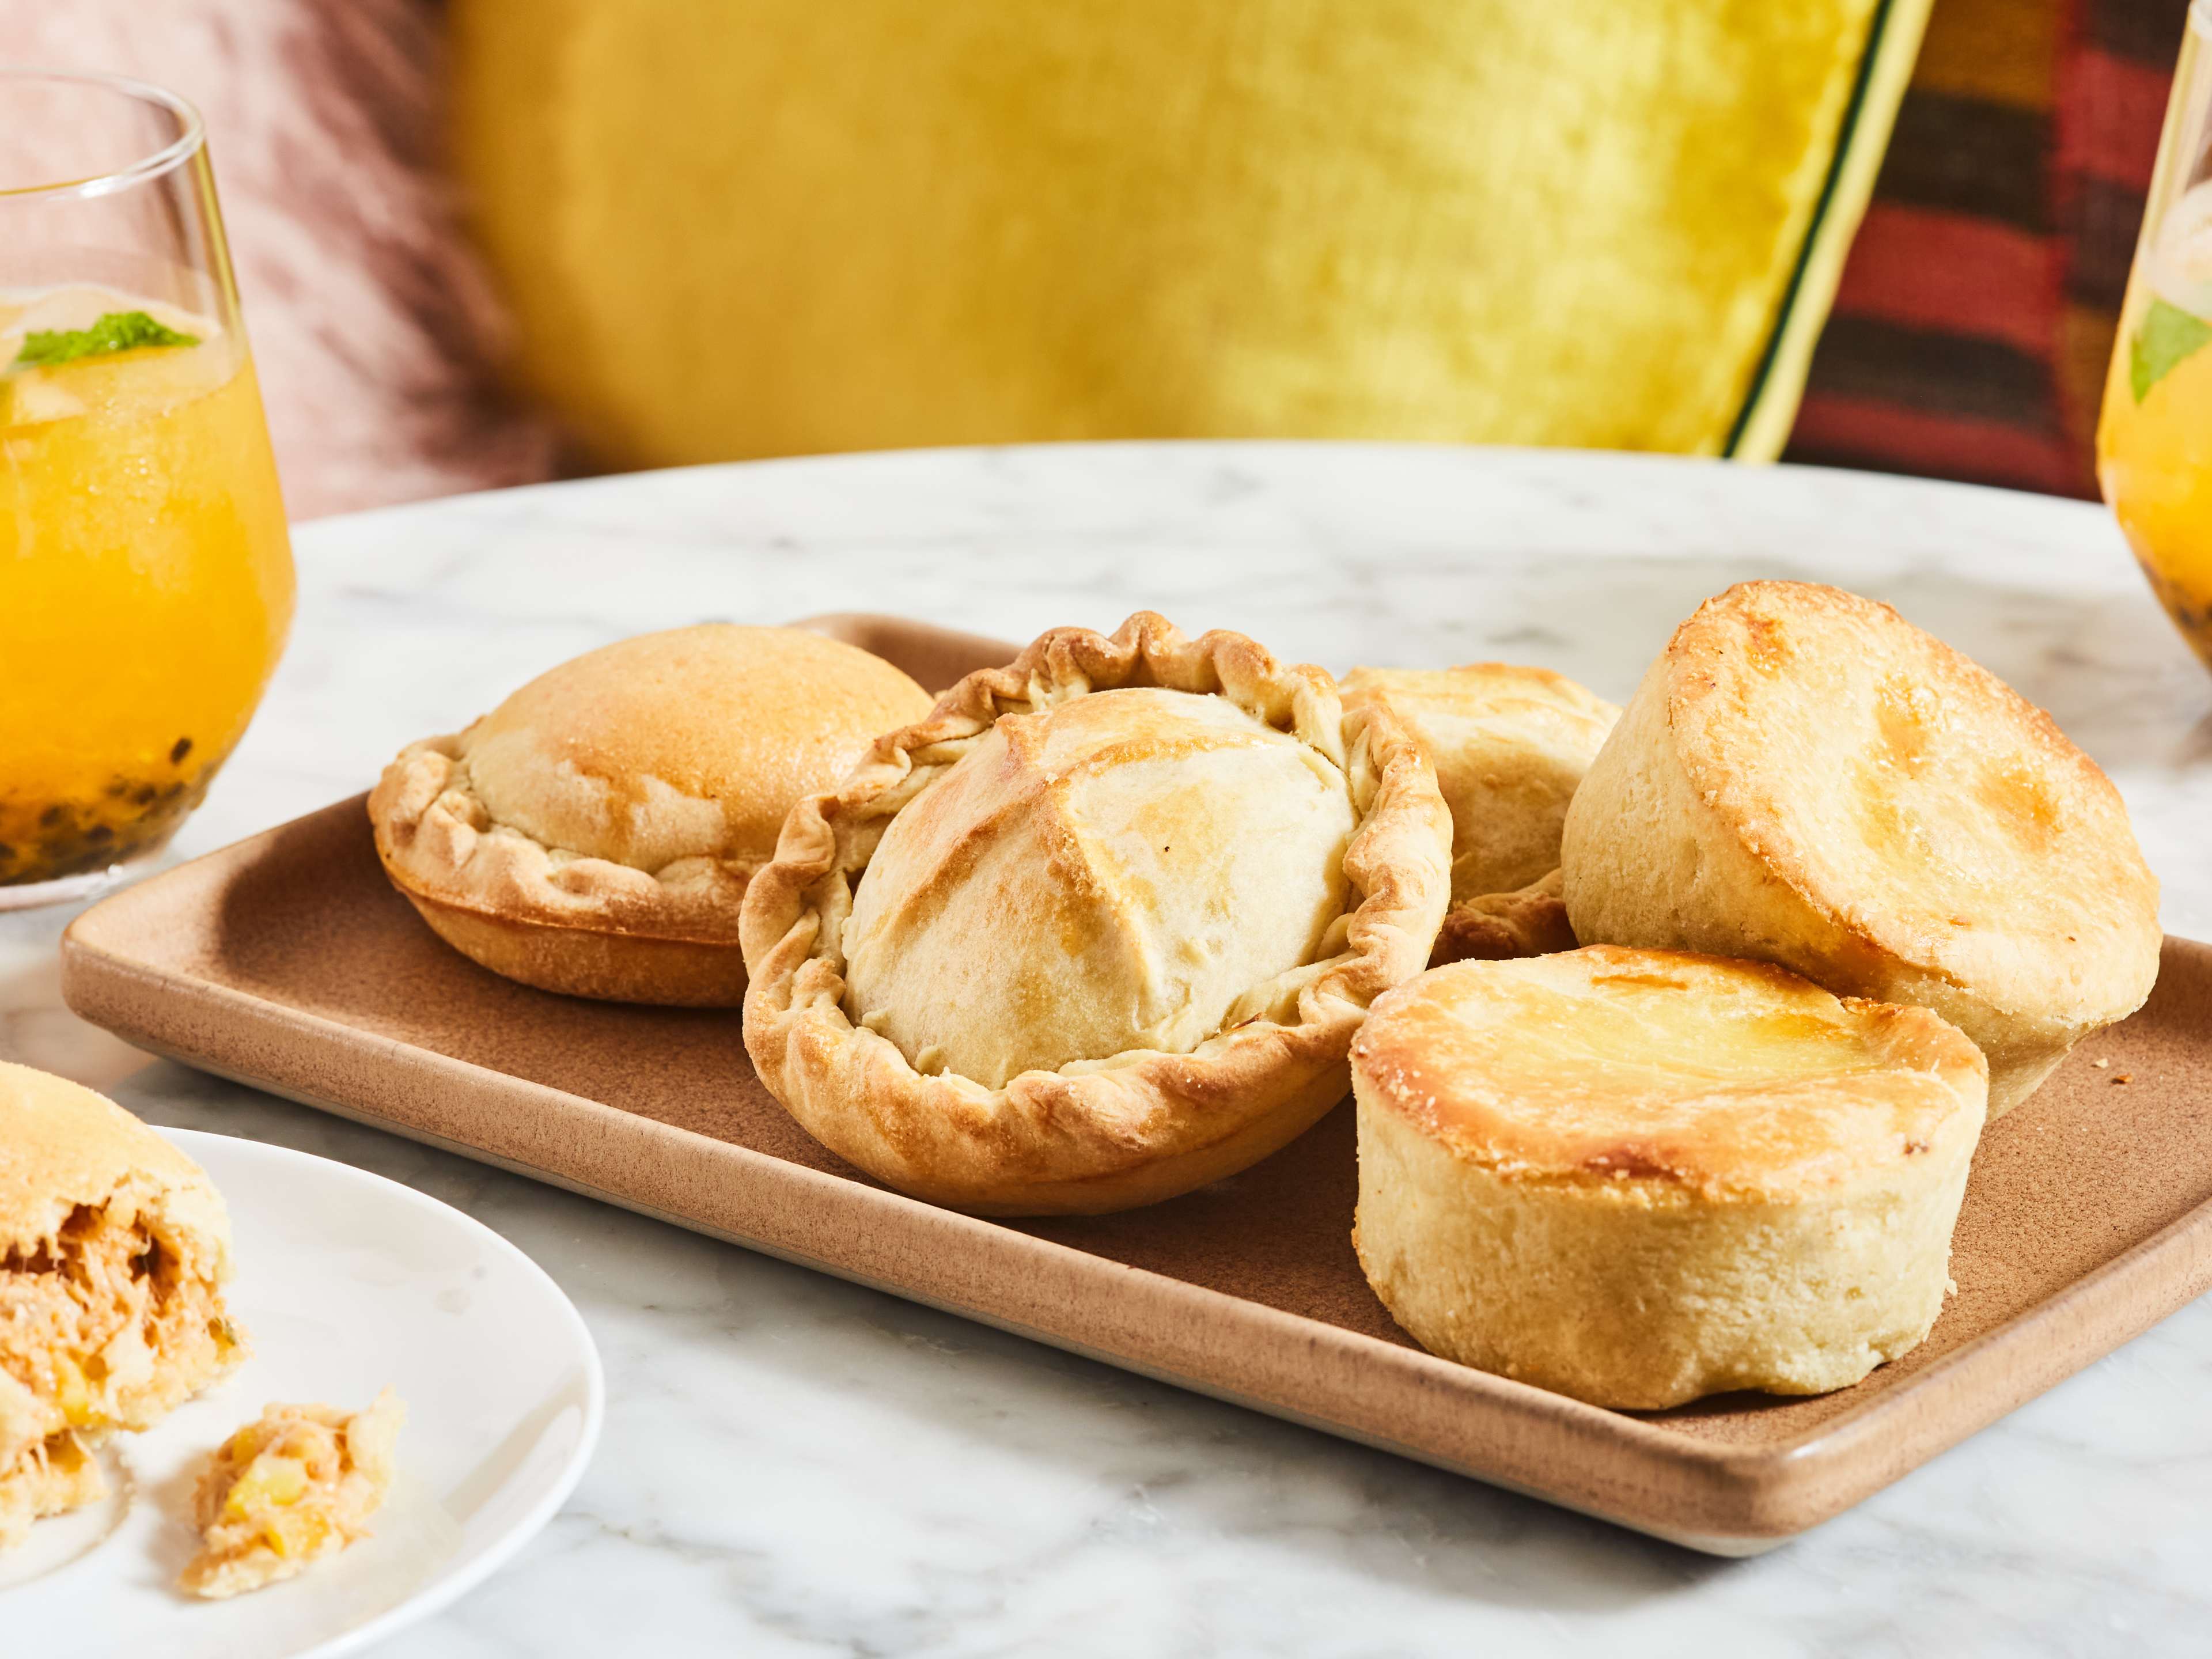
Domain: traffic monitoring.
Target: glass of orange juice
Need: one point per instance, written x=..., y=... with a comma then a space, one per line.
x=2154, y=439
x=145, y=569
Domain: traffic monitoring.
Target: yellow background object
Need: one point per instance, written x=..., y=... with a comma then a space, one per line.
x=742, y=227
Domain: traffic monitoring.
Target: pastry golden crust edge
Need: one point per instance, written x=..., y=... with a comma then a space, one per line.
x=1509, y=744
x=1529, y=922
x=436, y=837
x=64, y=1145
x=587, y=919
x=583, y=927
x=1431, y=1231
x=1644, y=1291
x=1120, y=1131
x=1648, y=859
x=580, y=962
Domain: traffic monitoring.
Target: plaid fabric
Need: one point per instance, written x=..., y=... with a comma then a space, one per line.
x=1978, y=309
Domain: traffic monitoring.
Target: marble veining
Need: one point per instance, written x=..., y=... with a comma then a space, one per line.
x=793, y=1465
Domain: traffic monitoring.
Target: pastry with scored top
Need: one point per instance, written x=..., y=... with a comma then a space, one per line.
x=1640, y=1176
x=1100, y=929
x=1509, y=745
x=1806, y=778
x=594, y=834
x=115, y=1250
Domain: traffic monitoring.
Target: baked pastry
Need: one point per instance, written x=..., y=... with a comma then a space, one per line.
x=114, y=1250
x=294, y=1486
x=1509, y=744
x=1805, y=778
x=1639, y=1177
x=595, y=832
x=1099, y=930
x=1530, y=921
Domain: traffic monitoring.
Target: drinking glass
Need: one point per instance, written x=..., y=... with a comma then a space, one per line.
x=145, y=569
x=2154, y=439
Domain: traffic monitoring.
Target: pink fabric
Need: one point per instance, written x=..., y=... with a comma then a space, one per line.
x=376, y=331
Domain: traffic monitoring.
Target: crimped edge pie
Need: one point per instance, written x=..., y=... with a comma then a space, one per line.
x=1120, y=1130
x=493, y=890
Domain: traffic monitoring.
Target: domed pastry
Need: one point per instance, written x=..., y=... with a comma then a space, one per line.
x=1509, y=745
x=594, y=834
x=115, y=1250
x=1639, y=1177
x=1100, y=929
x=1805, y=778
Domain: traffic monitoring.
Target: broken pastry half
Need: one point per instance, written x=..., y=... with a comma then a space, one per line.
x=114, y=1249
x=296, y=1485
x=1639, y=1177
x=1100, y=929
x=594, y=834
x=1509, y=745
x=1806, y=778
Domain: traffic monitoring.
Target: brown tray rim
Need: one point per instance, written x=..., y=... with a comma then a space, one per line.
x=1719, y=1498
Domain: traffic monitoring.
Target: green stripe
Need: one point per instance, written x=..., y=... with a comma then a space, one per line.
x=1844, y=139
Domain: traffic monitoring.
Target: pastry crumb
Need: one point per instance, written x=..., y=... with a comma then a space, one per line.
x=2124, y=1077
x=296, y=1485
x=2101, y=1064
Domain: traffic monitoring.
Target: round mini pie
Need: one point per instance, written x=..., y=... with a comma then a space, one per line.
x=594, y=834
x=1509, y=745
x=1805, y=778
x=1639, y=1177
x=1098, y=931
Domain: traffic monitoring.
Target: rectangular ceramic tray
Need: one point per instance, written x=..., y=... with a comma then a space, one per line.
x=286, y=961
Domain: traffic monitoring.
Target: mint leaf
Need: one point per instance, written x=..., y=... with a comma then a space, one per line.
x=118, y=331
x=2167, y=335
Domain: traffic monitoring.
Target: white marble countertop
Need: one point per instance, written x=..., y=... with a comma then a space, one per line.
x=794, y=1465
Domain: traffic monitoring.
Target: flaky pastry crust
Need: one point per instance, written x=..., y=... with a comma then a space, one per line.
x=1804, y=778
x=1640, y=1176
x=1120, y=1130
x=440, y=840
x=491, y=890
x=1510, y=744
x=594, y=834
x=1529, y=921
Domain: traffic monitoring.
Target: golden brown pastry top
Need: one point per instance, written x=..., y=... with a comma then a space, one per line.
x=62, y=1146
x=1510, y=744
x=688, y=744
x=1666, y=1073
x=634, y=788
x=1111, y=872
x=1053, y=826
x=1907, y=791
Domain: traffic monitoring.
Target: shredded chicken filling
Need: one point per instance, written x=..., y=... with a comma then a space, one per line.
x=103, y=1328
x=288, y=1489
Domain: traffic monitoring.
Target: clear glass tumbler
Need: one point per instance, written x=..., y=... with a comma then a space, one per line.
x=145, y=568
x=2154, y=441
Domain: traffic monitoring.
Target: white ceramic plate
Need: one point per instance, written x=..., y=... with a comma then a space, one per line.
x=346, y=1282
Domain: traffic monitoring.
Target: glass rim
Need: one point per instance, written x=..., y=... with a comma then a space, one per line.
x=192, y=133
